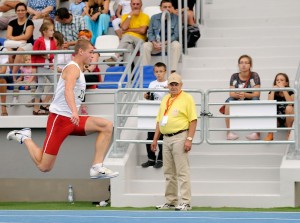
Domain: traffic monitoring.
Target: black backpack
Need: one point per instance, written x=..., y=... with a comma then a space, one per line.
x=193, y=34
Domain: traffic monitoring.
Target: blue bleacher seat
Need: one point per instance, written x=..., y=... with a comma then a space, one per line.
x=2, y=41
x=148, y=75
x=113, y=78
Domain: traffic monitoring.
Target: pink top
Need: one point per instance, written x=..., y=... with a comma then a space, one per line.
x=26, y=70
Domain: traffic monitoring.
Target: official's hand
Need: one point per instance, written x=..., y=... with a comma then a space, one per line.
x=75, y=118
x=187, y=145
x=156, y=46
x=154, y=146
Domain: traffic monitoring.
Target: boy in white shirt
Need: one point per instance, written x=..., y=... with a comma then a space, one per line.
x=160, y=70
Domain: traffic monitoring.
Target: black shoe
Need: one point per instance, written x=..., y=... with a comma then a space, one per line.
x=158, y=164
x=148, y=163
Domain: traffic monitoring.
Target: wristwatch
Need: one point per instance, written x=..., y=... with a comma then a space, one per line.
x=189, y=138
x=129, y=16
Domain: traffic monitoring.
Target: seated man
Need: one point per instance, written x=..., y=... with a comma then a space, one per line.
x=69, y=25
x=154, y=36
x=134, y=26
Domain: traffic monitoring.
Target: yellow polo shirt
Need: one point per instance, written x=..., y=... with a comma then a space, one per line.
x=180, y=113
x=136, y=22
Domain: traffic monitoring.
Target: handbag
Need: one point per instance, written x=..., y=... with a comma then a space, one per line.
x=14, y=44
x=222, y=108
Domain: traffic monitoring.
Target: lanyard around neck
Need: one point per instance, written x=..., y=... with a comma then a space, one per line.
x=169, y=104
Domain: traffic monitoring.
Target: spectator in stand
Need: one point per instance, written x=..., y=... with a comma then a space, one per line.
x=7, y=7
x=134, y=26
x=28, y=78
x=89, y=68
x=3, y=79
x=45, y=42
x=160, y=71
x=40, y=9
x=123, y=8
x=154, y=36
x=97, y=18
x=244, y=79
x=77, y=8
x=281, y=81
x=190, y=12
x=69, y=25
x=17, y=31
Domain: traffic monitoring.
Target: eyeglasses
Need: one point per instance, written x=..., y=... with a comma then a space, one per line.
x=174, y=84
x=21, y=10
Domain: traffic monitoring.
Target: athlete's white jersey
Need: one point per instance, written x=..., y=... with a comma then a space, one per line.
x=59, y=104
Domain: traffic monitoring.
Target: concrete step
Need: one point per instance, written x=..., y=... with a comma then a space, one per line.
x=250, y=42
x=236, y=160
x=224, y=73
x=208, y=149
x=222, y=83
x=254, y=32
x=254, y=51
x=246, y=9
x=222, y=173
x=278, y=61
x=233, y=160
x=281, y=22
x=207, y=187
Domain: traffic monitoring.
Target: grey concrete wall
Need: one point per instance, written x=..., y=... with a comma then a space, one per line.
x=20, y=179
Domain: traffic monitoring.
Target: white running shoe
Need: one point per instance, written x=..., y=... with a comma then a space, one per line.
x=19, y=135
x=102, y=173
x=183, y=207
x=165, y=206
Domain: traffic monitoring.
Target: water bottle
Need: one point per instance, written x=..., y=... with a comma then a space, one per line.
x=70, y=194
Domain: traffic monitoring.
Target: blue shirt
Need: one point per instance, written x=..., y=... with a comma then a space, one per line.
x=39, y=5
x=155, y=27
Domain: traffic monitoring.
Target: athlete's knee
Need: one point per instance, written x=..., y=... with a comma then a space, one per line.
x=44, y=168
x=109, y=127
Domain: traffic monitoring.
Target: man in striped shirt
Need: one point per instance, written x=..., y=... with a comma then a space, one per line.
x=69, y=25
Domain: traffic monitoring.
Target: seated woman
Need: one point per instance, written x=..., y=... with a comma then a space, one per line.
x=281, y=81
x=89, y=68
x=40, y=9
x=244, y=79
x=190, y=12
x=97, y=18
x=20, y=29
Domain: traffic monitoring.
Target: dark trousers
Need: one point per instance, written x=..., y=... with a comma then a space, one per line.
x=151, y=154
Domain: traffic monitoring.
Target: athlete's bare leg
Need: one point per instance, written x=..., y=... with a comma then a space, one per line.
x=44, y=162
x=104, y=128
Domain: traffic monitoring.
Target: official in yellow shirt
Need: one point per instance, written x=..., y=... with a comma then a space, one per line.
x=177, y=121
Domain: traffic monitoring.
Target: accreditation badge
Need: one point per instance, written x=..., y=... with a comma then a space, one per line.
x=164, y=120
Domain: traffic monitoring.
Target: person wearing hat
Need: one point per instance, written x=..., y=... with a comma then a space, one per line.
x=177, y=121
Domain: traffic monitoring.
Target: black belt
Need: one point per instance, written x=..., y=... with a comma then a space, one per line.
x=173, y=134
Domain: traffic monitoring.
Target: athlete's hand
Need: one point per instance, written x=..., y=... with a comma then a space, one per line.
x=75, y=118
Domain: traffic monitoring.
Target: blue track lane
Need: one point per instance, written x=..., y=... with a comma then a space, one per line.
x=12, y=216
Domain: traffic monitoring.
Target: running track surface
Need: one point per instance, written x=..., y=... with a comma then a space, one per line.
x=12, y=216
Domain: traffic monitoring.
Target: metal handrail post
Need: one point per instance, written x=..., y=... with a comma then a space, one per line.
x=166, y=15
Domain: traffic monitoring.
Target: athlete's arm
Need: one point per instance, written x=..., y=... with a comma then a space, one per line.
x=70, y=75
